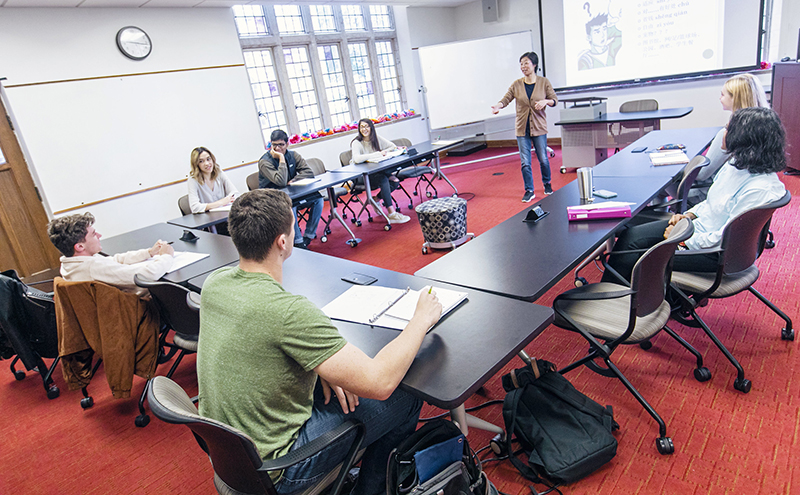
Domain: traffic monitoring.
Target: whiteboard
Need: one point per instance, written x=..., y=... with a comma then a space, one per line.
x=464, y=79
x=101, y=138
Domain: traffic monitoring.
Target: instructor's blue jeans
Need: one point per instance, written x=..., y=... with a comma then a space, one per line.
x=388, y=422
x=315, y=207
x=540, y=145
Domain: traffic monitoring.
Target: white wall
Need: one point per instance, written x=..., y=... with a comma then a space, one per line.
x=207, y=105
x=790, y=25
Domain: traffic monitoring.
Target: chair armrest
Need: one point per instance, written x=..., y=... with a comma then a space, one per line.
x=316, y=446
x=193, y=300
x=665, y=204
x=573, y=295
x=695, y=252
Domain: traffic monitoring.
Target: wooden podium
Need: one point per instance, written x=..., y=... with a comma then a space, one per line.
x=785, y=88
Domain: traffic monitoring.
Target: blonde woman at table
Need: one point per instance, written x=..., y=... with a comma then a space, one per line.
x=209, y=187
x=740, y=91
x=368, y=146
x=533, y=94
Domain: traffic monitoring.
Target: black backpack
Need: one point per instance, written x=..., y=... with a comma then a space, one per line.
x=461, y=475
x=565, y=434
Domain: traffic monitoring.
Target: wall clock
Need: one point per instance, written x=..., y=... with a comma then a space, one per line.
x=134, y=43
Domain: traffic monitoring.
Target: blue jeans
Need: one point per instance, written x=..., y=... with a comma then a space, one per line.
x=388, y=423
x=540, y=145
x=313, y=220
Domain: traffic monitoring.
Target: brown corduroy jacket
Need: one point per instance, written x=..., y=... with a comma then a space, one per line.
x=118, y=326
x=525, y=111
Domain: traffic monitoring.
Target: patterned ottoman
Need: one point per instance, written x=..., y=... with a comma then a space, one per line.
x=444, y=223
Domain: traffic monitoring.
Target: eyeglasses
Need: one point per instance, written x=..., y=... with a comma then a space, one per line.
x=278, y=144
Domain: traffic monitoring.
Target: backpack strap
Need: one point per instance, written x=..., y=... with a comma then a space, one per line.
x=510, y=404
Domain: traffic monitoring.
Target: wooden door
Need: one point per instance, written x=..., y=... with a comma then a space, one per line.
x=785, y=88
x=24, y=245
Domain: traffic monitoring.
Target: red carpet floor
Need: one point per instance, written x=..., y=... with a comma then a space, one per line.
x=725, y=441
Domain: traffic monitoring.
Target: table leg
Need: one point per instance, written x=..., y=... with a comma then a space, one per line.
x=371, y=201
x=440, y=175
x=335, y=213
x=464, y=421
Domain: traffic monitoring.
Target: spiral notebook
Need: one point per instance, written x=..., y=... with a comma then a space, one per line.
x=385, y=306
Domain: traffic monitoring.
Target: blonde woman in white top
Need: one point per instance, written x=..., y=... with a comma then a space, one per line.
x=366, y=146
x=209, y=187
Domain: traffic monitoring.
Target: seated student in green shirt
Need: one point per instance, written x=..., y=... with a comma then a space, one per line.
x=267, y=360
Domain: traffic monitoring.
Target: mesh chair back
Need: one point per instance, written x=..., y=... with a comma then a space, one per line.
x=402, y=142
x=171, y=300
x=638, y=106
x=316, y=165
x=183, y=204
x=742, y=236
x=345, y=157
x=252, y=181
x=233, y=454
x=652, y=272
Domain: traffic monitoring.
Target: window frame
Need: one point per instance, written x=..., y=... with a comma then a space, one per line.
x=275, y=43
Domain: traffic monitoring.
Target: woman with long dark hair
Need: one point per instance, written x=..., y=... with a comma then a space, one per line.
x=756, y=142
x=368, y=146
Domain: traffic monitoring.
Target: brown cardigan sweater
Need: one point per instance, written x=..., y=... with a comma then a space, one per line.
x=542, y=90
x=118, y=326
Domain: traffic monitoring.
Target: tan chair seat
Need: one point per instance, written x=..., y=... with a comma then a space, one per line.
x=697, y=283
x=608, y=318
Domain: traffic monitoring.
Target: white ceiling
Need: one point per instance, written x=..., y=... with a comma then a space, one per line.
x=213, y=3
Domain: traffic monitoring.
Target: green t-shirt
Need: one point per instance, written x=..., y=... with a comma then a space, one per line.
x=256, y=354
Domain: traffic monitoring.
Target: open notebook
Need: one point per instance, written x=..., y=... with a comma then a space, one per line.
x=385, y=306
x=389, y=154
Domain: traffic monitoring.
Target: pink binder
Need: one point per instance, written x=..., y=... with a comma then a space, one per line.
x=592, y=212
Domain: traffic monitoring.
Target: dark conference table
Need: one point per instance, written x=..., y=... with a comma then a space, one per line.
x=629, y=164
x=524, y=260
x=465, y=349
x=220, y=248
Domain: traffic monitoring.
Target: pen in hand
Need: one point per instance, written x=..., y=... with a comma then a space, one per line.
x=430, y=289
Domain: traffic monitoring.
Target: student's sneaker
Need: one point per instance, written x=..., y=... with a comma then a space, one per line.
x=529, y=195
x=302, y=244
x=548, y=189
x=398, y=217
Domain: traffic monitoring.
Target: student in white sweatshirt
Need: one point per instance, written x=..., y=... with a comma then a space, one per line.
x=76, y=238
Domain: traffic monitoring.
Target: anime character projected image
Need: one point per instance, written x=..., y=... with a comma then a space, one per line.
x=602, y=34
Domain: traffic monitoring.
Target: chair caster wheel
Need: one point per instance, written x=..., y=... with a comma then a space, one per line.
x=702, y=374
x=646, y=345
x=142, y=420
x=323, y=239
x=53, y=392
x=369, y=219
x=352, y=242
x=498, y=445
x=429, y=194
x=87, y=402
x=742, y=385
x=787, y=334
x=358, y=223
x=665, y=445
x=580, y=282
x=425, y=250
x=353, y=220
x=410, y=205
x=563, y=170
x=387, y=227
x=327, y=231
x=19, y=375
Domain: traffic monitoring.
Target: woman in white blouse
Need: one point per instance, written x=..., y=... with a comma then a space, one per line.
x=367, y=146
x=209, y=187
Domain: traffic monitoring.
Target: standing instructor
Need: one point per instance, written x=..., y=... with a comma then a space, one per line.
x=533, y=93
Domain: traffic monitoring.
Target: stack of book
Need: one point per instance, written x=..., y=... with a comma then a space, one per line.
x=668, y=157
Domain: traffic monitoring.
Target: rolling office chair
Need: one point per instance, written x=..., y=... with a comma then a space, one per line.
x=28, y=328
x=420, y=170
x=179, y=309
x=357, y=187
x=252, y=181
x=743, y=240
x=678, y=191
x=608, y=315
x=238, y=467
x=183, y=205
x=630, y=132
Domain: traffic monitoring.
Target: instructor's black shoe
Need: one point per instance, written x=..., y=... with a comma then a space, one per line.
x=529, y=195
x=548, y=189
